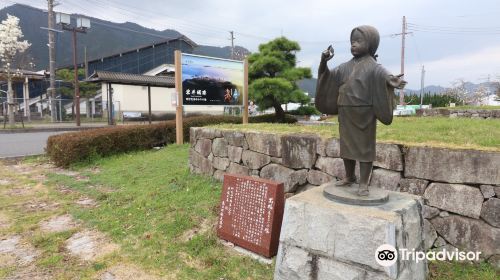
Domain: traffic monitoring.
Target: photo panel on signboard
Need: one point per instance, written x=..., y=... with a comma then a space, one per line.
x=211, y=81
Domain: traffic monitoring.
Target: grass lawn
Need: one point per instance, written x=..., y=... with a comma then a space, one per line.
x=161, y=217
x=462, y=107
x=154, y=202
x=459, y=133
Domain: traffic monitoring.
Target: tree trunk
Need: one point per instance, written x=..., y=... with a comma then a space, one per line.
x=280, y=113
x=10, y=101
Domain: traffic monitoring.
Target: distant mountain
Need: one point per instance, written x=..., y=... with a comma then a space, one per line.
x=309, y=86
x=102, y=39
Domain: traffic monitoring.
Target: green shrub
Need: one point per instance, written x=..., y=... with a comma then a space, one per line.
x=68, y=148
x=271, y=118
x=305, y=111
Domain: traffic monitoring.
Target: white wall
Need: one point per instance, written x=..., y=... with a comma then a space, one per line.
x=129, y=98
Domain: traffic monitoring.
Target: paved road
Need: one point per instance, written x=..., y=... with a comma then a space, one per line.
x=23, y=144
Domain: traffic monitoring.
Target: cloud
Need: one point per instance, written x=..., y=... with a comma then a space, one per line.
x=471, y=66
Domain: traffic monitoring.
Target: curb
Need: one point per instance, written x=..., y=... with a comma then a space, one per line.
x=47, y=129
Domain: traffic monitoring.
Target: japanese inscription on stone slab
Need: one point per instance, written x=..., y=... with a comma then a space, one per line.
x=251, y=213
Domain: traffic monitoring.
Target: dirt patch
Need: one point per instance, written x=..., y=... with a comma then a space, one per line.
x=26, y=190
x=192, y=262
x=60, y=171
x=30, y=273
x=21, y=169
x=19, y=191
x=4, y=182
x=94, y=170
x=39, y=177
x=86, y=202
x=89, y=245
x=24, y=253
x=126, y=272
x=58, y=224
x=203, y=227
x=4, y=221
x=82, y=178
x=64, y=189
x=35, y=206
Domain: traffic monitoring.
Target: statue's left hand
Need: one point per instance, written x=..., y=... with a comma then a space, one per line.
x=397, y=82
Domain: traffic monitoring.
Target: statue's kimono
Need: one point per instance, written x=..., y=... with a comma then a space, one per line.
x=358, y=92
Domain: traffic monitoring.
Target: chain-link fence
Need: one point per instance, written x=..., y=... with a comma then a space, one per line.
x=39, y=109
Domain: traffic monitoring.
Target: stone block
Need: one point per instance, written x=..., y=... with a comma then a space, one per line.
x=291, y=178
x=200, y=163
x=203, y=147
x=453, y=166
x=297, y=179
x=208, y=133
x=316, y=177
x=350, y=234
x=234, y=153
x=469, y=234
x=440, y=242
x=413, y=186
x=219, y=147
x=332, y=148
x=234, y=138
x=235, y=168
x=429, y=212
x=321, y=147
x=385, y=179
x=334, y=270
x=220, y=163
x=255, y=160
x=389, y=156
x=292, y=263
x=461, y=199
x=219, y=175
x=299, y=151
x=430, y=235
x=277, y=160
x=192, y=136
x=487, y=191
x=305, y=187
x=491, y=212
x=332, y=166
x=264, y=143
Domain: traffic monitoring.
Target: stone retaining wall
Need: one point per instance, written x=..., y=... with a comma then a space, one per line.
x=462, y=113
x=461, y=188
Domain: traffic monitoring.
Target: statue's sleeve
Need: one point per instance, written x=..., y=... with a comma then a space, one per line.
x=327, y=91
x=383, y=97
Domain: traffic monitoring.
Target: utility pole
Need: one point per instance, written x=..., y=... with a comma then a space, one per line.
x=232, y=44
x=422, y=77
x=403, y=40
x=52, y=63
x=82, y=24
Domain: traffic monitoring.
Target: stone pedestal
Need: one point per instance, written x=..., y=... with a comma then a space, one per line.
x=323, y=239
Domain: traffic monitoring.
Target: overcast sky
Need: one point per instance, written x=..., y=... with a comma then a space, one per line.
x=453, y=39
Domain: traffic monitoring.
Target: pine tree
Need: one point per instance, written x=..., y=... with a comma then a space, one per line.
x=273, y=76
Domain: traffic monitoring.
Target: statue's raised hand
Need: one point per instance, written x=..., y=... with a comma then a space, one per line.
x=327, y=54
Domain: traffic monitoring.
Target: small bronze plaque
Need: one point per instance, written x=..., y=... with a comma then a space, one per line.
x=251, y=212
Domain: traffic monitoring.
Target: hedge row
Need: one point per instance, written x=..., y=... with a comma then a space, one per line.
x=68, y=148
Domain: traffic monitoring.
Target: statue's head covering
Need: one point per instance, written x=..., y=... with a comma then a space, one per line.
x=371, y=36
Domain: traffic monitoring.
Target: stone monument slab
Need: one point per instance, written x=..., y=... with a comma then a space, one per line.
x=251, y=213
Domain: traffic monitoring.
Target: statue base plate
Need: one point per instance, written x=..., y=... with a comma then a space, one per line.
x=348, y=195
